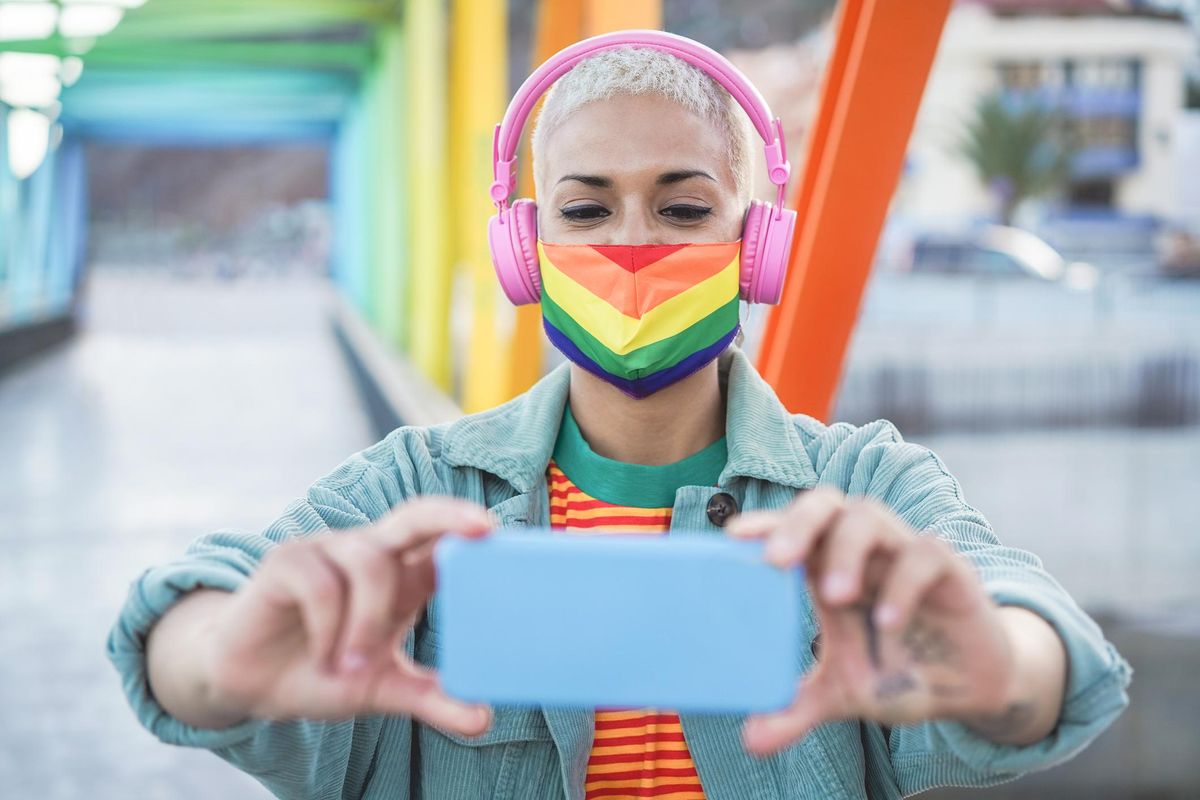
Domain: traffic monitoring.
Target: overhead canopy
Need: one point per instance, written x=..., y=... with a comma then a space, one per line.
x=190, y=71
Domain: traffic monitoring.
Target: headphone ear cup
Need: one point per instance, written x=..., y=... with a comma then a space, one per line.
x=525, y=217
x=766, y=249
x=512, y=238
x=751, y=238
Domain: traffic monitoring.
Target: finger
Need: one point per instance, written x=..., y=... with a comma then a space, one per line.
x=417, y=691
x=419, y=555
x=816, y=702
x=804, y=523
x=316, y=588
x=920, y=565
x=859, y=532
x=416, y=584
x=752, y=524
x=430, y=517
x=371, y=590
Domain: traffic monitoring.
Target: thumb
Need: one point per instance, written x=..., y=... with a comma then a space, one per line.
x=415, y=690
x=816, y=702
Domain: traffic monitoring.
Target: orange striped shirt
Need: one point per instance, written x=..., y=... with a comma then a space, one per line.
x=636, y=753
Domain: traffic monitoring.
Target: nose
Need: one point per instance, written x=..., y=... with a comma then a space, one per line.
x=635, y=225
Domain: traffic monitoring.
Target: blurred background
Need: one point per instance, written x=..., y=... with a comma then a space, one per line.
x=242, y=239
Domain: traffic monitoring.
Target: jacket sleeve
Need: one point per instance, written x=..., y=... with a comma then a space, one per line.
x=296, y=758
x=874, y=460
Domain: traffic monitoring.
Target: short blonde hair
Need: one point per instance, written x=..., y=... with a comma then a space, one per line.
x=633, y=70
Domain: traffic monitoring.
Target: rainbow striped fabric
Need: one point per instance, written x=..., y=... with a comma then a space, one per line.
x=640, y=316
x=636, y=753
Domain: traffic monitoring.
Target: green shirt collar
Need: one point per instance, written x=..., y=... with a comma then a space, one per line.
x=627, y=484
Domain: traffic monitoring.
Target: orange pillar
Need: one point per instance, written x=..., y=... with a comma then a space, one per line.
x=873, y=86
x=561, y=23
x=606, y=16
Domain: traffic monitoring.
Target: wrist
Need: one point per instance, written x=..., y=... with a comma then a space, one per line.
x=215, y=707
x=223, y=708
x=1014, y=622
x=1027, y=706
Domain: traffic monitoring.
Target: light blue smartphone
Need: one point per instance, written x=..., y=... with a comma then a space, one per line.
x=691, y=622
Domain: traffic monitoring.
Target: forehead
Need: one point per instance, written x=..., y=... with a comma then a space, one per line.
x=635, y=133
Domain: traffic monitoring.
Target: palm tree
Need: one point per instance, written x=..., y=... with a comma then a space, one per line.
x=1018, y=151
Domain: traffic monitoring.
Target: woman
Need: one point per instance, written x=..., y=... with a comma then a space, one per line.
x=943, y=657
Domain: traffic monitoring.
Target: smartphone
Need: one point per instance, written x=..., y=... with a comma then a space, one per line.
x=687, y=621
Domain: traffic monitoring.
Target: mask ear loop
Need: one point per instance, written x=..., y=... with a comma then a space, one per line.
x=742, y=322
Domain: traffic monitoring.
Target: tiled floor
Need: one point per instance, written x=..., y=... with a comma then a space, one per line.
x=180, y=409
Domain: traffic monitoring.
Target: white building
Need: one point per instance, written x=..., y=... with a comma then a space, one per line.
x=1115, y=68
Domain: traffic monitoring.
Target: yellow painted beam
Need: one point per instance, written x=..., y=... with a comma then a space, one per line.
x=429, y=213
x=478, y=95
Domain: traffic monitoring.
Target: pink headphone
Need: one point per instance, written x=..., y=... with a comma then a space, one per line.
x=512, y=231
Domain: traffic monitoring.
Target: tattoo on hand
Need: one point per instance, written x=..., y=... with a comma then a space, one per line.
x=929, y=644
x=892, y=686
x=925, y=644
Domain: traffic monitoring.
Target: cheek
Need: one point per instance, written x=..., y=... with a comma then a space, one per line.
x=552, y=228
x=732, y=226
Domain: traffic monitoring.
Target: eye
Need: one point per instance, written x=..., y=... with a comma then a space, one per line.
x=584, y=213
x=686, y=213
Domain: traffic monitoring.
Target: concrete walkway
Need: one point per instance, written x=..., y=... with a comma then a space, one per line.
x=182, y=408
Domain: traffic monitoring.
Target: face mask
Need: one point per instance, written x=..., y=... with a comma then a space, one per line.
x=640, y=316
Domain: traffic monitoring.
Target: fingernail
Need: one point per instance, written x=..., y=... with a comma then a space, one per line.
x=886, y=615
x=777, y=550
x=836, y=585
x=352, y=662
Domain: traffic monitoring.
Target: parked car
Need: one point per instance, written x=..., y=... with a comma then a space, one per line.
x=1000, y=252
x=1179, y=253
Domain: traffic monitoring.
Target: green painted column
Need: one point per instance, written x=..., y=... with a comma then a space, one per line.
x=387, y=179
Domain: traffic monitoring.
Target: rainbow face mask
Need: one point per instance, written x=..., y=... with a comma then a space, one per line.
x=640, y=316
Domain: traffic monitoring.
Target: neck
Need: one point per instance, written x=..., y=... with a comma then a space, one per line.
x=668, y=426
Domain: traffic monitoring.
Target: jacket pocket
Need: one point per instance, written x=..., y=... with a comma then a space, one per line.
x=515, y=759
x=509, y=723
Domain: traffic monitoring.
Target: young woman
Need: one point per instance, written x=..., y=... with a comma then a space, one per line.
x=939, y=656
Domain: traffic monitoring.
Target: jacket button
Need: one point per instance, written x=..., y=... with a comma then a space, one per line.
x=721, y=506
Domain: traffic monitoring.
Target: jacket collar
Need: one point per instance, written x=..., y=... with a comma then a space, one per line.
x=515, y=440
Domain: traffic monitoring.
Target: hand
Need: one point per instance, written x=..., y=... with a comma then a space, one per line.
x=907, y=631
x=318, y=631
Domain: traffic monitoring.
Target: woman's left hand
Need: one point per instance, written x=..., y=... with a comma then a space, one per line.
x=907, y=631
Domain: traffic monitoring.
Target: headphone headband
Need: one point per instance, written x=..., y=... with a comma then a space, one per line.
x=507, y=134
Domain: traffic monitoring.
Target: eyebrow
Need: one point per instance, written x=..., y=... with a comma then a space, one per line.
x=675, y=176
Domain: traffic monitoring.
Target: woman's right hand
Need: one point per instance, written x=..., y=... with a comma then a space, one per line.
x=318, y=631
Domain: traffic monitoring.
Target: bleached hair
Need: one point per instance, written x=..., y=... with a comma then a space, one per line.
x=635, y=70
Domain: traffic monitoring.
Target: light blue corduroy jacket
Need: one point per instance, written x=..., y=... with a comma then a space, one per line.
x=498, y=458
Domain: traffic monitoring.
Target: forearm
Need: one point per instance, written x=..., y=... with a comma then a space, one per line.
x=176, y=661
x=1034, y=699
